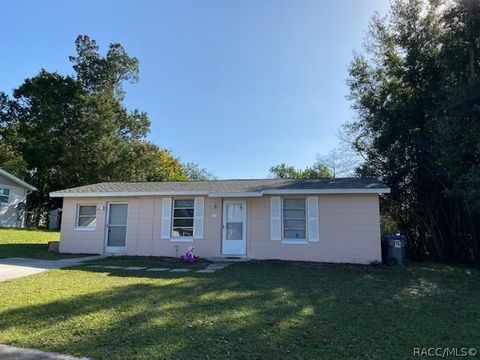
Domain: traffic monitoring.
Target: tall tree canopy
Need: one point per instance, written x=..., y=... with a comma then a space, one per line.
x=194, y=172
x=63, y=131
x=416, y=91
x=103, y=74
x=316, y=171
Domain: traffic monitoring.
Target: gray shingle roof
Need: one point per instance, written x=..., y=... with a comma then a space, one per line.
x=339, y=185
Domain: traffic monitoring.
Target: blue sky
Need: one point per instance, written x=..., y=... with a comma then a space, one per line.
x=235, y=86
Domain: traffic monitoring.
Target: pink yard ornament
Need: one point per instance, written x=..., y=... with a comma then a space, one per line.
x=189, y=256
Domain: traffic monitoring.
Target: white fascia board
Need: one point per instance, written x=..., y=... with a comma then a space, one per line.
x=326, y=191
x=17, y=180
x=127, y=194
x=237, y=194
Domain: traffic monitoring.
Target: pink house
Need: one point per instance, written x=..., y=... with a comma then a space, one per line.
x=325, y=220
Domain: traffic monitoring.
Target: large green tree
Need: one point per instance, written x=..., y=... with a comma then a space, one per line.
x=416, y=92
x=317, y=171
x=194, y=172
x=10, y=159
x=62, y=131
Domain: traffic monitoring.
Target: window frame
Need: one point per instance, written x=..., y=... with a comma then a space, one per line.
x=2, y=187
x=77, y=218
x=179, y=238
x=286, y=240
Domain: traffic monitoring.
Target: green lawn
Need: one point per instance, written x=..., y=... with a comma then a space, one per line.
x=27, y=243
x=246, y=311
x=151, y=262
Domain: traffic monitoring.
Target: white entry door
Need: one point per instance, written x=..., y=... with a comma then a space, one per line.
x=234, y=228
x=116, y=232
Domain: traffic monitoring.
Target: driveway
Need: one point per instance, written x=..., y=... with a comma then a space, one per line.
x=11, y=268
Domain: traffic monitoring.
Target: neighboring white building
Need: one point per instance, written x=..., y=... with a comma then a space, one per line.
x=13, y=200
x=329, y=220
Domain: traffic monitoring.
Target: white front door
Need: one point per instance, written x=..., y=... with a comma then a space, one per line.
x=234, y=228
x=116, y=228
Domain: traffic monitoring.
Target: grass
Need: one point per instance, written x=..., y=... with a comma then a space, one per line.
x=272, y=310
x=28, y=243
x=151, y=262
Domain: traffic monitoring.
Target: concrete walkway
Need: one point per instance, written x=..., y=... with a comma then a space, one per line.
x=15, y=353
x=210, y=269
x=12, y=268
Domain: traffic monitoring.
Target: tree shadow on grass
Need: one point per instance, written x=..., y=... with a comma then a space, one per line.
x=32, y=251
x=184, y=319
x=245, y=311
x=148, y=261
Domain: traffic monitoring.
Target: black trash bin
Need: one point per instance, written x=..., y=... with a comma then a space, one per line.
x=393, y=249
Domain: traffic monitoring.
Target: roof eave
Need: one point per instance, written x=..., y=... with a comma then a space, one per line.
x=17, y=180
x=327, y=191
x=219, y=194
x=59, y=194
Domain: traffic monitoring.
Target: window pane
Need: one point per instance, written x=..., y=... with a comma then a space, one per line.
x=234, y=230
x=294, y=203
x=87, y=215
x=294, y=219
x=87, y=210
x=87, y=221
x=183, y=222
x=295, y=234
x=183, y=203
x=183, y=213
x=293, y=214
x=294, y=224
x=182, y=232
x=4, y=195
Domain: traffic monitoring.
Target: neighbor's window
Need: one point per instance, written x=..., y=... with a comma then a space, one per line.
x=87, y=216
x=182, y=218
x=294, y=219
x=4, y=195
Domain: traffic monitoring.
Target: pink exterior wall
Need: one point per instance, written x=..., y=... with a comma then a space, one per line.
x=147, y=240
x=76, y=241
x=349, y=230
x=143, y=231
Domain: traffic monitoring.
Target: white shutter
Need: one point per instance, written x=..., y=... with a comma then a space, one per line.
x=198, y=218
x=313, y=227
x=166, y=218
x=276, y=218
